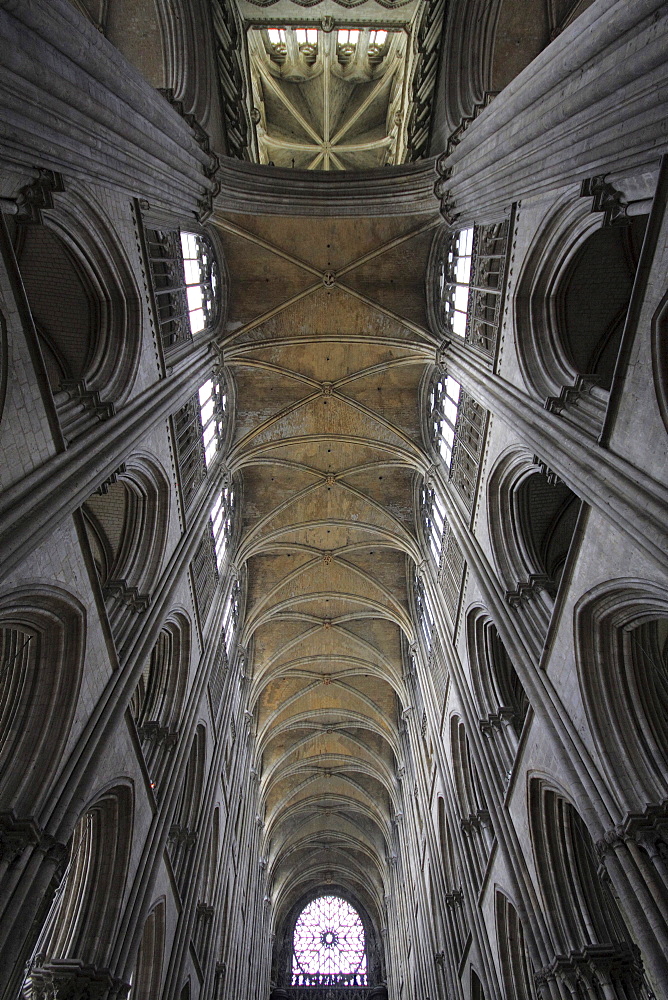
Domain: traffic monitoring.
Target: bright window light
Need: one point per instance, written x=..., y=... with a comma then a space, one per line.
x=444, y=404
x=454, y=279
x=329, y=946
x=213, y=408
x=201, y=279
x=221, y=523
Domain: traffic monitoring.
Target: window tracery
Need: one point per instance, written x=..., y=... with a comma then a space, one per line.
x=444, y=399
x=199, y=429
x=457, y=429
x=470, y=266
x=186, y=283
x=231, y=615
x=222, y=523
x=433, y=520
x=425, y=614
x=329, y=946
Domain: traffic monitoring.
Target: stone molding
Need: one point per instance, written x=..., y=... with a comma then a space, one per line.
x=386, y=191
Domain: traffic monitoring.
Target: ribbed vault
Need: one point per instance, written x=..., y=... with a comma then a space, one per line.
x=328, y=343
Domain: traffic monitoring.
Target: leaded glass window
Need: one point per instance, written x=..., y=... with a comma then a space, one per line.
x=454, y=277
x=469, y=280
x=231, y=616
x=433, y=520
x=186, y=284
x=328, y=945
x=201, y=277
x=425, y=615
x=444, y=404
x=213, y=409
x=222, y=514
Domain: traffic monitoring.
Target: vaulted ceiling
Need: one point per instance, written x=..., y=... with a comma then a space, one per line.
x=327, y=340
x=329, y=100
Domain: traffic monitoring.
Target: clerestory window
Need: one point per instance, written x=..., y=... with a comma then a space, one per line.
x=231, y=613
x=425, y=615
x=454, y=279
x=433, y=520
x=199, y=428
x=201, y=277
x=469, y=278
x=213, y=411
x=222, y=523
x=444, y=406
x=329, y=947
x=186, y=284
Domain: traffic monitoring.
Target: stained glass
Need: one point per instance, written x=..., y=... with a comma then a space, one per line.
x=328, y=944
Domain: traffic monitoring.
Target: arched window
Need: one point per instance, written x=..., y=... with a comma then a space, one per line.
x=444, y=406
x=329, y=945
x=454, y=275
x=199, y=430
x=222, y=521
x=457, y=425
x=425, y=614
x=231, y=615
x=467, y=278
x=433, y=520
x=186, y=284
x=201, y=275
x=213, y=397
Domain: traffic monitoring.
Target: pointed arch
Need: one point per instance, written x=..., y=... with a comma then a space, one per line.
x=516, y=970
x=532, y=518
x=127, y=521
x=147, y=977
x=622, y=659
x=42, y=640
x=86, y=308
x=157, y=702
x=474, y=814
x=183, y=831
x=80, y=932
x=588, y=929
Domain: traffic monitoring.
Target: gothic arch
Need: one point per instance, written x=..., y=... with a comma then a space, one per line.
x=147, y=977
x=4, y=362
x=127, y=521
x=588, y=931
x=570, y=308
x=42, y=637
x=516, y=971
x=187, y=70
x=660, y=357
x=157, y=702
x=477, y=989
x=471, y=800
x=86, y=308
x=184, y=827
x=532, y=519
x=620, y=636
x=543, y=362
x=495, y=681
x=455, y=914
x=80, y=930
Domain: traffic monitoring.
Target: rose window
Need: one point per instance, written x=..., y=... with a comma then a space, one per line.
x=328, y=945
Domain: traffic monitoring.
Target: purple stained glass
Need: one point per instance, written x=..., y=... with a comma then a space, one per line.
x=329, y=943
